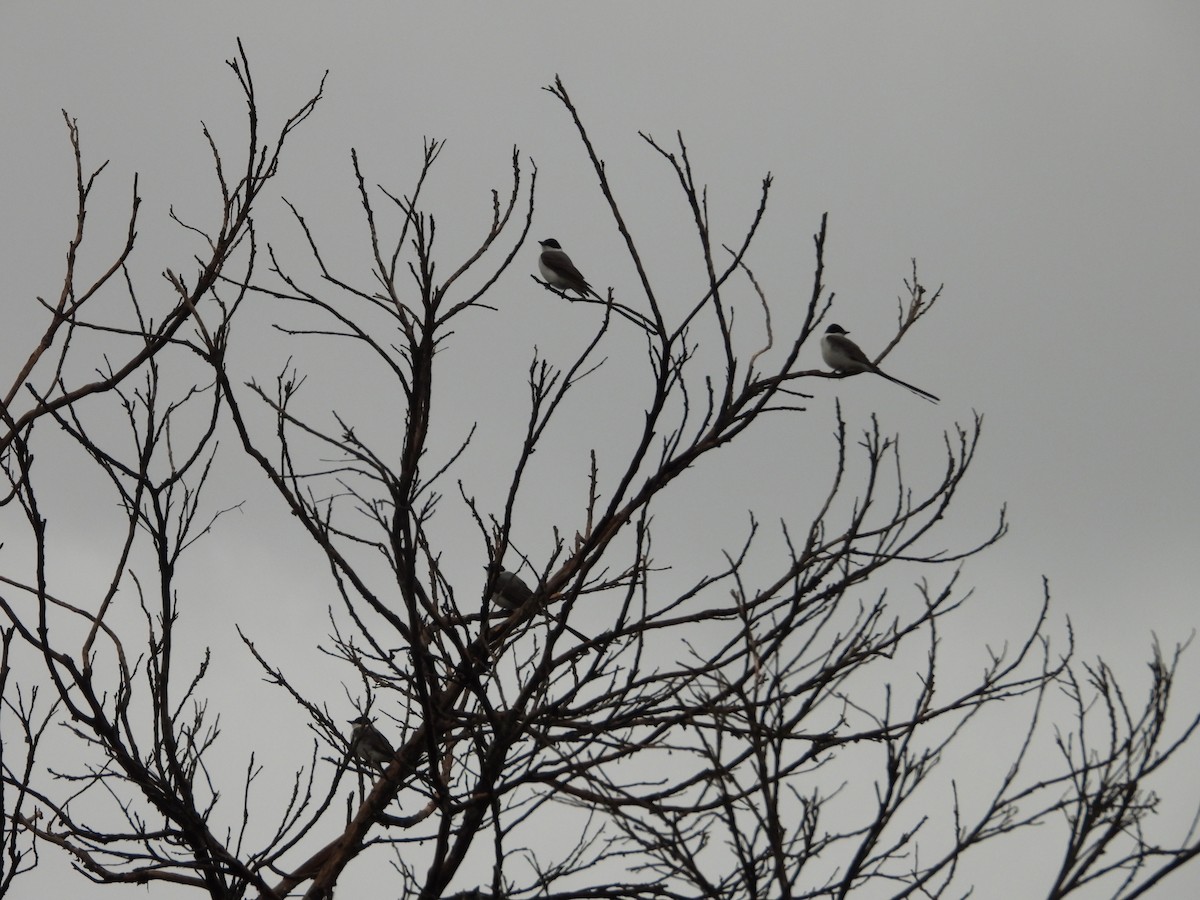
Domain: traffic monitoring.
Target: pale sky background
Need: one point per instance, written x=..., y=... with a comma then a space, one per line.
x=1040, y=160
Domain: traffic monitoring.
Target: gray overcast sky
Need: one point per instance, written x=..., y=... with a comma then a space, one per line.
x=1038, y=159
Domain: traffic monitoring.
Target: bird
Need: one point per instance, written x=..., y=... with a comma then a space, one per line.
x=368, y=745
x=843, y=355
x=558, y=270
x=510, y=591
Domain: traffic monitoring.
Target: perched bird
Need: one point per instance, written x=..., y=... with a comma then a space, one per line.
x=843, y=355
x=558, y=270
x=368, y=745
x=510, y=591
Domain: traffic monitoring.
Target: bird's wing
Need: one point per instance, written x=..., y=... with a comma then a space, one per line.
x=852, y=351
x=558, y=261
x=511, y=584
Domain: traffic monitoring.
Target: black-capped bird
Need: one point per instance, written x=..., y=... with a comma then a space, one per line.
x=368, y=745
x=510, y=592
x=843, y=355
x=558, y=270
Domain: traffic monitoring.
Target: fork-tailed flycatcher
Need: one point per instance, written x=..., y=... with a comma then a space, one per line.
x=511, y=592
x=369, y=745
x=558, y=270
x=843, y=355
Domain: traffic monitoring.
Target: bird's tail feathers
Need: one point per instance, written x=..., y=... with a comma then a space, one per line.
x=912, y=387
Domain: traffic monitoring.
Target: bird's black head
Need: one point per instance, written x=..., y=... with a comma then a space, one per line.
x=361, y=720
x=836, y=329
x=551, y=243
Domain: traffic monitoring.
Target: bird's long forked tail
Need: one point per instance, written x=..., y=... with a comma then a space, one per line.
x=912, y=387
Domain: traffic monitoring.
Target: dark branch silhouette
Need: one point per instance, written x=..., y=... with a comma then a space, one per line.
x=597, y=720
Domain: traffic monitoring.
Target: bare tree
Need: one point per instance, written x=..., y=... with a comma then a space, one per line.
x=573, y=723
